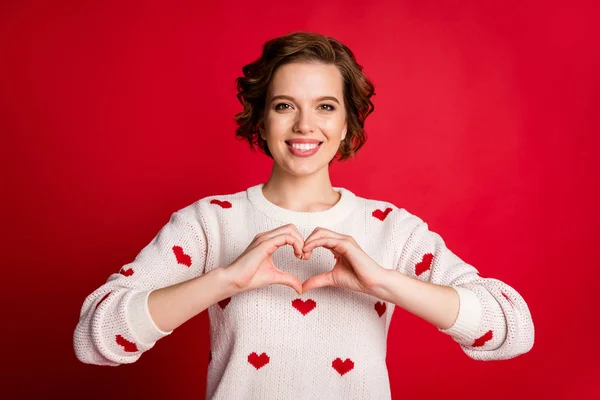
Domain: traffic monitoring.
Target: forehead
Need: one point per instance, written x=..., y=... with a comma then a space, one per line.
x=307, y=80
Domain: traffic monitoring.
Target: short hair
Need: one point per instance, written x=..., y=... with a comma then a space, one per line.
x=304, y=47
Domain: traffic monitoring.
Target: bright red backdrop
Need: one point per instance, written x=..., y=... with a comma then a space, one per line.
x=114, y=115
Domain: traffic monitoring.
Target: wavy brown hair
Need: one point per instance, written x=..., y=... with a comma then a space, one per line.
x=304, y=47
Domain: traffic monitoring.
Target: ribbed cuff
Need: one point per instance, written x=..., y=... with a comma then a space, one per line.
x=469, y=317
x=141, y=323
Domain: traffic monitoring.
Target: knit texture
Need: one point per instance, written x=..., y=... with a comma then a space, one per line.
x=272, y=343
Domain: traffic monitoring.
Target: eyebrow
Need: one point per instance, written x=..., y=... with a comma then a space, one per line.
x=282, y=96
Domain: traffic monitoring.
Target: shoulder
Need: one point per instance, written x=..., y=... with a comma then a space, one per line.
x=211, y=206
x=389, y=213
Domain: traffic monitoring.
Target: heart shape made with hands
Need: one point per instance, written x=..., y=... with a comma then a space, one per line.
x=353, y=269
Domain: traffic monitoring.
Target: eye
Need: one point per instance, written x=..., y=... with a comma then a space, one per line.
x=332, y=108
x=280, y=104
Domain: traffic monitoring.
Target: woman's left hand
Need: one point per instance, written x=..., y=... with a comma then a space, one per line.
x=353, y=270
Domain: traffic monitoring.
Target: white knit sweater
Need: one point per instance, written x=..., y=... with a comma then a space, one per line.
x=271, y=343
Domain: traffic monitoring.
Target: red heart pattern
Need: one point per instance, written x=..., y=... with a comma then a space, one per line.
x=258, y=361
x=102, y=299
x=304, y=306
x=223, y=303
x=128, y=346
x=181, y=257
x=424, y=264
x=381, y=215
x=380, y=307
x=342, y=367
x=480, y=341
x=223, y=204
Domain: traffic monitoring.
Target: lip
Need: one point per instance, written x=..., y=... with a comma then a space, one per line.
x=299, y=153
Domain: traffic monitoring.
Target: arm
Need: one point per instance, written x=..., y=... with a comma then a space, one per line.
x=161, y=289
x=488, y=318
x=170, y=307
x=436, y=304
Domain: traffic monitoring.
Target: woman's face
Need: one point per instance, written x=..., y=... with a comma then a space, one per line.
x=305, y=103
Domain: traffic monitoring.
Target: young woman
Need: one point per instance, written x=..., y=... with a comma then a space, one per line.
x=300, y=278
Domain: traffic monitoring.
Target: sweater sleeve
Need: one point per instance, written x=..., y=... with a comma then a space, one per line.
x=115, y=326
x=494, y=322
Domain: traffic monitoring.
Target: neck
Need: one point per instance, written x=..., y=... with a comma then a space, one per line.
x=300, y=193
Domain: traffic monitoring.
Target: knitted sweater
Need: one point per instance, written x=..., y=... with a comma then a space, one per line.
x=271, y=343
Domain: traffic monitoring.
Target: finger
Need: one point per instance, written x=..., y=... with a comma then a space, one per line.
x=290, y=229
x=295, y=230
x=319, y=233
x=284, y=278
x=340, y=246
x=272, y=244
x=296, y=243
x=318, y=281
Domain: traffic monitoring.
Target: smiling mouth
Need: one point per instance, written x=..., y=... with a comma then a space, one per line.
x=305, y=149
x=318, y=144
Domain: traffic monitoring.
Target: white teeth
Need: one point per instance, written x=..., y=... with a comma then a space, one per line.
x=304, y=146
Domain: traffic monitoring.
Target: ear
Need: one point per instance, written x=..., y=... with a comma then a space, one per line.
x=344, y=131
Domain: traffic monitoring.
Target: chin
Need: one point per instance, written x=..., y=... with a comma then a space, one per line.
x=303, y=167
x=308, y=169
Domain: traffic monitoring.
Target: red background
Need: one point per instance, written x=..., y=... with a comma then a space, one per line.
x=114, y=115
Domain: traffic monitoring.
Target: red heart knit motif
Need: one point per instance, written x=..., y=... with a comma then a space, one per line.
x=380, y=307
x=480, y=341
x=342, y=367
x=223, y=303
x=382, y=214
x=102, y=299
x=304, y=306
x=258, y=361
x=223, y=204
x=424, y=265
x=182, y=258
x=126, y=272
x=128, y=346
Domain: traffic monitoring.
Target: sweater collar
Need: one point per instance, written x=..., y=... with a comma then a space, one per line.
x=340, y=211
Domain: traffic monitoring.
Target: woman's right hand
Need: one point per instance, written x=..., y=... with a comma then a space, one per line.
x=254, y=268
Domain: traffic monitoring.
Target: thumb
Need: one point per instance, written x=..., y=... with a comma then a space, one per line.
x=318, y=281
x=284, y=278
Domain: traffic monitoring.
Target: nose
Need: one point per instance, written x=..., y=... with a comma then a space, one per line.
x=304, y=122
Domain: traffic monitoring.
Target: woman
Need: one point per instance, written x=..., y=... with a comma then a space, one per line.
x=312, y=324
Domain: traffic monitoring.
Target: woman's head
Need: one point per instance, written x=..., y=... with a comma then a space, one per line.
x=304, y=86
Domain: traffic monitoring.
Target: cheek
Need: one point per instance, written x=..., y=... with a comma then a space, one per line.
x=276, y=125
x=332, y=129
x=332, y=124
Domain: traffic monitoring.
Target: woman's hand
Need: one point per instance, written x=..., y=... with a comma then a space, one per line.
x=254, y=268
x=353, y=270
